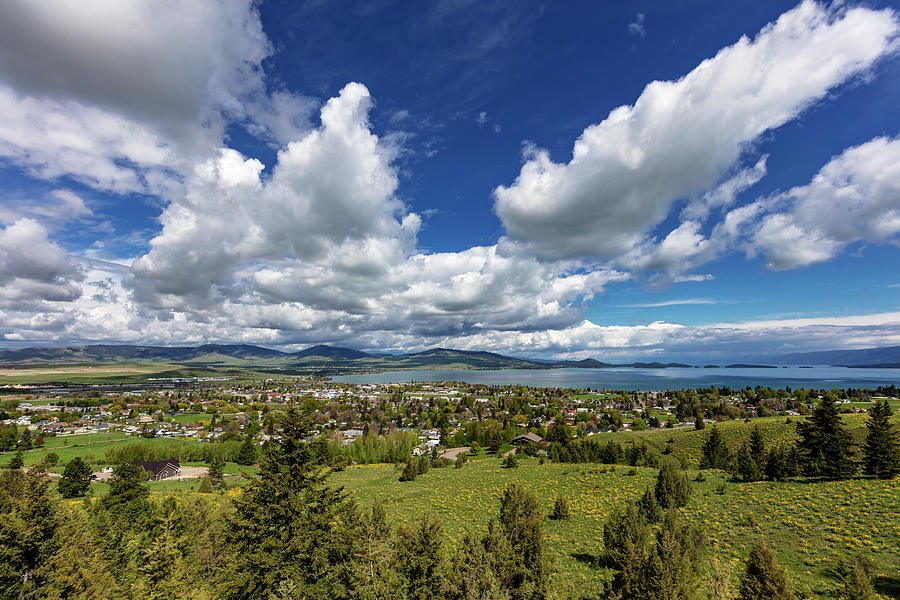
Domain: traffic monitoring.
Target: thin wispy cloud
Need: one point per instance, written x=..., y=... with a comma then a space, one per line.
x=636, y=27
x=681, y=302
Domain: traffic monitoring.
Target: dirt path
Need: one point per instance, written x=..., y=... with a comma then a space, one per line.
x=453, y=452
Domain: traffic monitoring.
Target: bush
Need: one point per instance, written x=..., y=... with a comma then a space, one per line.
x=764, y=578
x=205, y=485
x=76, y=478
x=560, y=509
x=672, y=486
x=16, y=461
x=461, y=459
x=509, y=462
x=410, y=471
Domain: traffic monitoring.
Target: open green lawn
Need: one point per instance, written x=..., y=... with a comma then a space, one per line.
x=90, y=447
x=203, y=418
x=810, y=525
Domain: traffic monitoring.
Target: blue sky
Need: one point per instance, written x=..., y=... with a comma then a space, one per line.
x=614, y=180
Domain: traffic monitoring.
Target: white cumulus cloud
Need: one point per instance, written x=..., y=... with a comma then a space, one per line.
x=680, y=138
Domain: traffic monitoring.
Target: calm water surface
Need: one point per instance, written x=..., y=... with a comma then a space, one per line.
x=650, y=379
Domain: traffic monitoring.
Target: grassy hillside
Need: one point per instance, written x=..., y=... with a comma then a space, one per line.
x=687, y=442
x=810, y=525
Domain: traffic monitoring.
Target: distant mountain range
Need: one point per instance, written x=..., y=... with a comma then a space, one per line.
x=869, y=358
x=321, y=357
x=335, y=359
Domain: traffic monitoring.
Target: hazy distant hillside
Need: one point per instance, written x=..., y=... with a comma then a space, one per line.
x=315, y=359
x=871, y=357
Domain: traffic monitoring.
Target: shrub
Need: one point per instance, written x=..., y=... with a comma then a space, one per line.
x=509, y=462
x=560, y=509
x=764, y=578
x=672, y=486
x=410, y=471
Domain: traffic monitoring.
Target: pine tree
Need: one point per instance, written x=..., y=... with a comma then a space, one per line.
x=410, y=471
x=764, y=578
x=715, y=452
x=825, y=446
x=419, y=558
x=881, y=450
x=216, y=470
x=286, y=525
x=77, y=570
x=856, y=580
x=626, y=539
x=24, y=442
x=673, y=489
x=161, y=562
x=673, y=569
x=76, y=478
x=473, y=573
x=378, y=577
x=30, y=519
x=699, y=423
x=16, y=461
x=522, y=521
x=205, y=485
x=247, y=453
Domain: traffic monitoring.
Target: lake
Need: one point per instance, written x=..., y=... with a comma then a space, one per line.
x=648, y=379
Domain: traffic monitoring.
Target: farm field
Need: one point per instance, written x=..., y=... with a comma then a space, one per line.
x=809, y=524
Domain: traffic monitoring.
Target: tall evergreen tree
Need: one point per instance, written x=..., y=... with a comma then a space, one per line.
x=16, y=461
x=715, y=453
x=673, y=489
x=764, y=578
x=161, y=562
x=75, y=479
x=378, y=577
x=284, y=528
x=77, y=570
x=825, y=446
x=216, y=470
x=626, y=539
x=24, y=442
x=30, y=519
x=881, y=450
x=522, y=521
x=419, y=558
x=247, y=453
x=473, y=575
x=674, y=567
x=757, y=447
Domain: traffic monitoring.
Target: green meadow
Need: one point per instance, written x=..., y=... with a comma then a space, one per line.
x=809, y=524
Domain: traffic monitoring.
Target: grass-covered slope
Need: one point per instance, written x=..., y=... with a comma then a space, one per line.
x=810, y=524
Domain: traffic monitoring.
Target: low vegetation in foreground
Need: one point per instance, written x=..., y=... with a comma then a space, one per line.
x=778, y=507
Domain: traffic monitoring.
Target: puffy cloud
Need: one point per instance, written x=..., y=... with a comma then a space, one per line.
x=129, y=96
x=855, y=197
x=681, y=137
x=32, y=268
x=324, y=242
x=168, y=62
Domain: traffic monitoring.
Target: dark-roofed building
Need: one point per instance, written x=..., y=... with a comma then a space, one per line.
x=528, y=438
x=160, y=469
